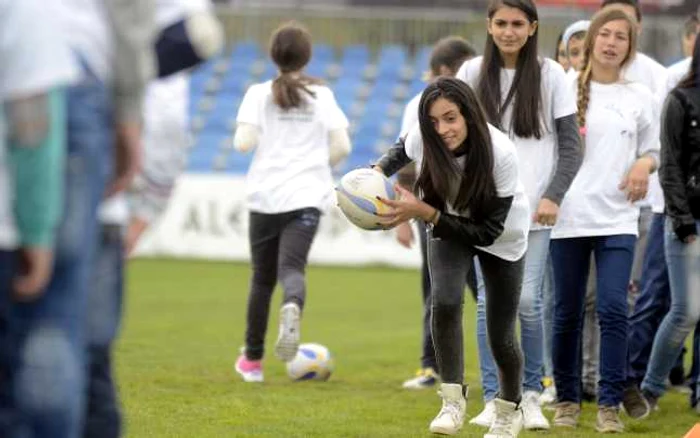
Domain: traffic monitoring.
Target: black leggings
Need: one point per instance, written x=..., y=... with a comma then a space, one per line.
x=279, y=247
x=449, y=266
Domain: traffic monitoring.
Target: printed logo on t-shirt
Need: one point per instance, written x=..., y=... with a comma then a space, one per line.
x=304, y=114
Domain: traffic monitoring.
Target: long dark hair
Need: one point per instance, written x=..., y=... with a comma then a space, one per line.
x=440, y=168
x=692, y=78
x=525, y=90
x=290, y=50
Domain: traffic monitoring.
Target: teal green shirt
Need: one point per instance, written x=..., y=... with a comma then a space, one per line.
x=39, y=178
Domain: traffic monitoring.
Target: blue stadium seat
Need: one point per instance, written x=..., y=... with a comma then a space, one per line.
x=207, y=146
x=354, y=60
x=391, y=60
x=323, y=53
x=245, y=51
x=421, y=62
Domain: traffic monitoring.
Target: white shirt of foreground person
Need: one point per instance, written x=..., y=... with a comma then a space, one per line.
x=512, y=243
x=290, y=169
x=620, y=127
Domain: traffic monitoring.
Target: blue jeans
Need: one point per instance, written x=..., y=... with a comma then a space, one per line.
x=571, y=259
x=530, y=315
x=548, y=317
x=684, y=274
x=104, y=316
x=49, y=364
x=652, y=304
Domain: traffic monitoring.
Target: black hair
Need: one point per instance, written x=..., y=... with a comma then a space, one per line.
x=692, y=78
x=525, y=91
x=439, y=168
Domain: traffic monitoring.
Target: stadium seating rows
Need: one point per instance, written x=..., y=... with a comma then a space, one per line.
x=371, y=90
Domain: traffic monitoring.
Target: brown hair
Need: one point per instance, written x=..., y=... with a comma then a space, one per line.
x=290, y=50
x=602, y=17
x=450, y=52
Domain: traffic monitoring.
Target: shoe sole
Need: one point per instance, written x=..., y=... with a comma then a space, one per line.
x=246, y=378
x=567, y=426
x=608, y=430
x=638, y=417
x=443, y=431
x=479, y=423
x=288, y=341
x=536, y=427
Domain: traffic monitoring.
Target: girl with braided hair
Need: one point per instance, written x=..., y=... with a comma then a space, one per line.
x=599, y=216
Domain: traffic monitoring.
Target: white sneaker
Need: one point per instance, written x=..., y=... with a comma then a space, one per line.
x=533, y=418
x=486, y=417
x=548, y=396
x=508, y=421
x=451, y=417
x=288, y=339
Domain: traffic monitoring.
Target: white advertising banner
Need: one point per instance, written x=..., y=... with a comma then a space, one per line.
x=207, y=218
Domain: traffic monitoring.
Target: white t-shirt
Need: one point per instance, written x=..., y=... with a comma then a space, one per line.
x=654, y=76
x=410, y=115
x=620, y=127
x=290, y=168
x=35, y=58
x=512, y=243
x=677, y=71
x=537, y=157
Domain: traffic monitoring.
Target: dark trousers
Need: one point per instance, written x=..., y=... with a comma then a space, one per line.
x=652, y=304
x=570, y=259
x=103, y=416
x=428, y=357
x=450, y=263
x=279, y=248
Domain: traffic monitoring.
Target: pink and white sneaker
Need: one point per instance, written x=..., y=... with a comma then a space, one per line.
x=250, y=370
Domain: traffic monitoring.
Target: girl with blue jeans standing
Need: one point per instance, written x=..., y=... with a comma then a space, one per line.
x=529, y=99
x=680, y=181
x=599, y=216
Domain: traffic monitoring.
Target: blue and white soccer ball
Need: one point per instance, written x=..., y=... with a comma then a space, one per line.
x=312, y=362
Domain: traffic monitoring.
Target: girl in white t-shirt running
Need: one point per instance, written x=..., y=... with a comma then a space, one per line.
x=474, y=205
x=598, y=216
x=528, y=98
x=299, y=132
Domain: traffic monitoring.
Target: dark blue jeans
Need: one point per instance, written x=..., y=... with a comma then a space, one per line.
x=652, y=304
x=571, y=260
x=104, y=316
x=49, y=364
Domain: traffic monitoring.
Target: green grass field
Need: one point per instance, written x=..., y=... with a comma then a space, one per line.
x=184, y=325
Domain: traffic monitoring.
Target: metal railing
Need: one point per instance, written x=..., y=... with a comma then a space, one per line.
x=339, y=26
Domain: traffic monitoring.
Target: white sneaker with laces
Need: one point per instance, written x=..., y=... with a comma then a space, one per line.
x=508, y=421
x=288, y=339
x=451, y=417
x=485, y=418
x=532, y=413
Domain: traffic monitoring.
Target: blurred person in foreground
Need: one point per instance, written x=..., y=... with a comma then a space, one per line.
x=112, y=43
x=188, y=35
